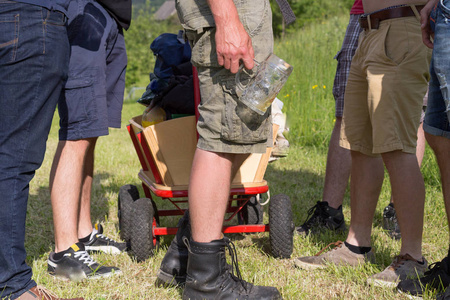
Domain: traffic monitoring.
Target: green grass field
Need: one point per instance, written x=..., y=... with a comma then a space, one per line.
x=310, y=107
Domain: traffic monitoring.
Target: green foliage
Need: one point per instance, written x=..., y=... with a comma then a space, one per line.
x=144, y=29
x=310, y=108
x=308, y=11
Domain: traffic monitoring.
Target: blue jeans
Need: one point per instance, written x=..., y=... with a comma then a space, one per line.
x=34, y=57
x=437, y=117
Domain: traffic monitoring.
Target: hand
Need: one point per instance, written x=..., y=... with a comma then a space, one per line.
x=427, y=33
x=233, y=43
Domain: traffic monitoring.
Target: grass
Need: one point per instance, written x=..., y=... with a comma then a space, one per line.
x=310, y=112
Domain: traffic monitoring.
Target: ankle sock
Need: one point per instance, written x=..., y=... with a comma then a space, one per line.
x=59, y=255
x=331, y=210
x=358, y=250
x=85, y=239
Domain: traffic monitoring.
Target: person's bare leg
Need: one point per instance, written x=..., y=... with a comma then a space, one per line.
x=421, y=142
x=365, y=185
x=84, y=219
x=408, y=190
x=441, y=148
x=420, y=149
x=209, y=190
x=339, y=164
x=65, y=190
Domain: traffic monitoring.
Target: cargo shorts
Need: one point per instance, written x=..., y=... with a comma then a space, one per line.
x=226, y=125
x=93, y=94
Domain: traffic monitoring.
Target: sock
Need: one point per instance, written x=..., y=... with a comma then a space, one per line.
x=85, y=239
x=333, y=211
x=358, y=250
x=59, y=255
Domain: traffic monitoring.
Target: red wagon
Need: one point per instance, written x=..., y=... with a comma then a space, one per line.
x=166, y=151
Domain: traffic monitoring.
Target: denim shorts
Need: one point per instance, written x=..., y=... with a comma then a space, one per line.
x=437, y=117
x=225, y=124
x=95, y=87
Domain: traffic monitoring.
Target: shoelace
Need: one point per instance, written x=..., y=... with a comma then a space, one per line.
x=105, y=238
x=313, y=211
x=400, y=260
x=84, y=257
x=336, y=245
x=234, y=263
x=433, y=268
x=45, y=293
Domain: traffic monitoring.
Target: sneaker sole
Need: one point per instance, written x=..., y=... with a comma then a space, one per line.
x=164, y=279
x=104, y=249
x=381, y=283
x=307, y=266
x=81, y=277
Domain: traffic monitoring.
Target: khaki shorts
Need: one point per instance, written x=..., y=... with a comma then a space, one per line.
x=225, y=124
x=385, y=89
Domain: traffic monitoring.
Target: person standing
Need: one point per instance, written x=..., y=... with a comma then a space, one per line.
x=437, y=133
x=92, y=102
x=383, y=103
x=327, y=213
x=223, y=35
x=33, y=69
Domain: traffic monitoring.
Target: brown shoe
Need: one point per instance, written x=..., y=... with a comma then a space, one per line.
x=40, y=293
x=401, y=268
x=340, y=255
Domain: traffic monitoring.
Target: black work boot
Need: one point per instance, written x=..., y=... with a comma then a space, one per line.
x=173, y=266
x=209, y=276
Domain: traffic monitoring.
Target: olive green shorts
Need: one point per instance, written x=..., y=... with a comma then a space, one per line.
x=225, y=124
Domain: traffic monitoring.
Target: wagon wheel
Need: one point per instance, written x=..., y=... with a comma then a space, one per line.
x=252, y=213
x=281, y=226
x=127, y=195
x=142, y=240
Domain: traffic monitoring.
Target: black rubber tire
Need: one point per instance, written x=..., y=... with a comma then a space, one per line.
x=141, y=237
x=252, y=213
x=127, y=195
x=281, y=233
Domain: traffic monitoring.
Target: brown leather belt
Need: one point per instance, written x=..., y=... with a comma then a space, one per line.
x=392, y=13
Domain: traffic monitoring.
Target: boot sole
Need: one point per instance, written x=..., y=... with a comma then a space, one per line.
x=164, y=279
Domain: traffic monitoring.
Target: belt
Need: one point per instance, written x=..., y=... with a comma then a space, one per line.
x=372, y=21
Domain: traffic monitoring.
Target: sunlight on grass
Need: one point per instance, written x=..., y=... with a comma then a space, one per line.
x=309, y=105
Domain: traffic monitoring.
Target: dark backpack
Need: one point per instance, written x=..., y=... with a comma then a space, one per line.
x=169, y=87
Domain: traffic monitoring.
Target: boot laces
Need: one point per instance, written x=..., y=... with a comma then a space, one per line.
x=234, y=264
x=313, y=213
x=46, y=294
x=336, y=245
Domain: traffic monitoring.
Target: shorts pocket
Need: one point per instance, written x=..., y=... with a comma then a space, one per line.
x=397, y=42
x=78, y=104
x=204, y=48
x=254, y=15
x=240, y=124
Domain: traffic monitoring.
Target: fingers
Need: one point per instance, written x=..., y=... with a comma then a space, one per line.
x=425, y=23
